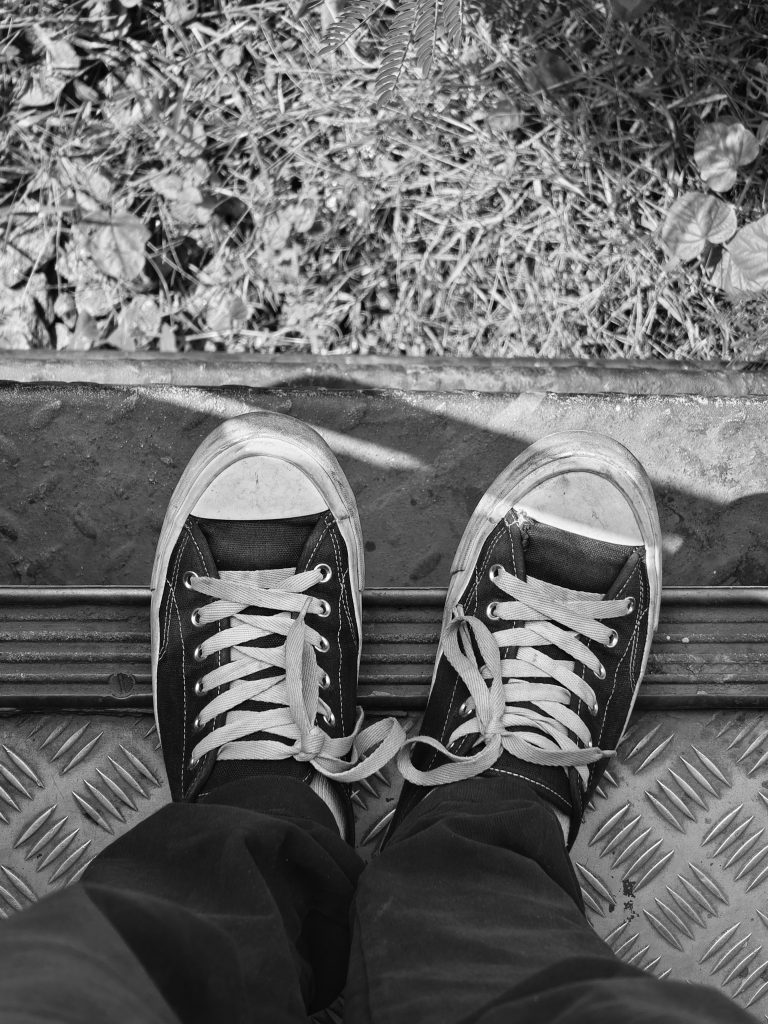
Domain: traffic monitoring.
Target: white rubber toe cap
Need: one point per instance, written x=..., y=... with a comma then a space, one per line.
x=583, y=503
x=260, y=487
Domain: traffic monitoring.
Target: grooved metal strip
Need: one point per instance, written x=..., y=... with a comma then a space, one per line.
x=88, y=647
x=672, y=856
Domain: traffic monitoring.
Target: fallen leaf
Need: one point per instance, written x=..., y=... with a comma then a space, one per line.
x=173, y=186
x=179, y=12
x=628, y=10
x=506, y=116
x=549, y=73
x=226, y=313
x=42, y=91
x=744, y=265
x=141, y=318
x=118, y=248
x=720, y=149
x=167, y=340
x=695, y=219
x=232, y=55
x=86, y=333
x=28, y=243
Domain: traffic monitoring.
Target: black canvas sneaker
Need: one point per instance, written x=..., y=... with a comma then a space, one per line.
x=256, y=616
x=553, y=599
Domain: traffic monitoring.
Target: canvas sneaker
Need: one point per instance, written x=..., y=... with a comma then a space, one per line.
x=256, y=617
x=553, y=599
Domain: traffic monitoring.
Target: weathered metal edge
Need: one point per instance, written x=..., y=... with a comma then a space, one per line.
x=116, y=676
x=492, y=376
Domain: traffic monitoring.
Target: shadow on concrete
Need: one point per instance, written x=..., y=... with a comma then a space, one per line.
x=88, y=471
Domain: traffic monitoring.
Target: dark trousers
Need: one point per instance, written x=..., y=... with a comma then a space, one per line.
x=252, y=908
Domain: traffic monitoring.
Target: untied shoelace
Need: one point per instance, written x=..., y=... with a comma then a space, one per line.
x=506, y=708
x=295, y=687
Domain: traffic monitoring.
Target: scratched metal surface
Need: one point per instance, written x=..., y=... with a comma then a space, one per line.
x=672, y=856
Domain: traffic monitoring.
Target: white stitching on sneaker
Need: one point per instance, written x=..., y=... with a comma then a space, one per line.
x=293, y=687
x=184, y=692
x=342, y=583
x=172, y=583
x=544, y=729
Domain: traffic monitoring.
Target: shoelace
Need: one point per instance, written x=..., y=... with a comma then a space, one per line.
x=296, y=686
x=500, y=689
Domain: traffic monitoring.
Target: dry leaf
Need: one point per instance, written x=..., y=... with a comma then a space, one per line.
x=118, y=248
x=505, y=117
x=628, y=10
x=226, y=313
x=179, y=12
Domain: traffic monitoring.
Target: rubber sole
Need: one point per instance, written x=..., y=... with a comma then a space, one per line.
x=254, y=434
x=564, y=452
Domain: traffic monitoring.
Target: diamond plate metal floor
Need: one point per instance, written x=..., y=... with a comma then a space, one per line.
x=672, y=857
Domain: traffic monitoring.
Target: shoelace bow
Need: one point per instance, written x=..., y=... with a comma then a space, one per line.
x=295, y=687
x=536, y=711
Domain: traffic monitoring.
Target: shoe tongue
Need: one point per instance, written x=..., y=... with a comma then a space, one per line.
x=571, y=560
x=577, y=563
x=257, y=544
x=247, y=546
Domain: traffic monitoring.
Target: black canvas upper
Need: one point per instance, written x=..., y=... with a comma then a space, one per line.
x=208, y=547
x=524, y=546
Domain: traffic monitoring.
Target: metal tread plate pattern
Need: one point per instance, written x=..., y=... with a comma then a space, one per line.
x=672, y=856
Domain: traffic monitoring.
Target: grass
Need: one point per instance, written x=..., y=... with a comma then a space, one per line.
x=507, y=205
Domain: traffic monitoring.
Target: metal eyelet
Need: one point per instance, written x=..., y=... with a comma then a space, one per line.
x=495, y=571
x=465, y=710
x=630, y=605
x=325, y=572
x=613, y=639
x=199, y=688
x=197, y=725
x=197, y=654
x=600, y=672
x=194, y=618
x=192, y=762
x=453, y=747
x=188, y=577
x=325, y=610
x=491, y=612
x=325, y=681
x=322, y=645
x=594, y=709
x=329, y=719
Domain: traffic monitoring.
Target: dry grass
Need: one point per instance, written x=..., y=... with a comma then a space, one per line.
x=312, y=221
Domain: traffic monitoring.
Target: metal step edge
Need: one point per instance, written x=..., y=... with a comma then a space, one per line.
x=88, y=648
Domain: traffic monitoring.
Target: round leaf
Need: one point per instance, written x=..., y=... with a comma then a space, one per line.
x=720, y=149
x=695, y=219
x=628, y=10
x=744, y=266
x=505, y=117
x=118, y=248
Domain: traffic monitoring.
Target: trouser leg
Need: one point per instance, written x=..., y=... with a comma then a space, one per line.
x=473, y=913
x=235, y=908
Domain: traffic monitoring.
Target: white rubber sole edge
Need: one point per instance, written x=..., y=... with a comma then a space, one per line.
x=258, y=433
x=568, y=451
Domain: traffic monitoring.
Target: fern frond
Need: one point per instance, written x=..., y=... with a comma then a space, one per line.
x=453, y=19
x=398, y=40
x=306, y=6
x=359, y=12
x=425, y=35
